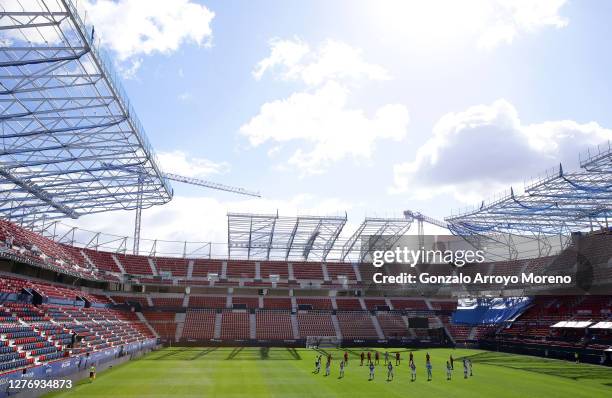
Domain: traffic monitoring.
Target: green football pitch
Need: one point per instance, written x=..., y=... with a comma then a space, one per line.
x=288, y=373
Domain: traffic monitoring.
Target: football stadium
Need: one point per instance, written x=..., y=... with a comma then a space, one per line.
x=510, y=297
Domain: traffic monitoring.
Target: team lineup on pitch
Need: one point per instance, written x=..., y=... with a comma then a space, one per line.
x=374, y=359
x=288, y=372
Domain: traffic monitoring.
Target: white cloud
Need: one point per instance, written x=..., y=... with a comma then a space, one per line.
x=179, y=162
x=142, y=27
x=333, y=60
x=129, y=68
x=485, y=148
x=484, y=23
x=288, y=53
x=319, y=118
x=510, y=18
x=322, y=119
x=130, y=28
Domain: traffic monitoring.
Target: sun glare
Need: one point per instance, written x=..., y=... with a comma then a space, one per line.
x=429, y=23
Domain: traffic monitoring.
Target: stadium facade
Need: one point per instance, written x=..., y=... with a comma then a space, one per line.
x=72, y=146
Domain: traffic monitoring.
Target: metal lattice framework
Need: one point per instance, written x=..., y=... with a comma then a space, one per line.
x=421, y=219
x=71, y=141
x=375, y=234
x=599, y=160
x=273, y=237
x=555, y=205
x=78, y=237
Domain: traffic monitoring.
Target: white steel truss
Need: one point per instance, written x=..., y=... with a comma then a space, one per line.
x=71, y=141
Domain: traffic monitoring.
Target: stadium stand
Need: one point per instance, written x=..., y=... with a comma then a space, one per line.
x=102, y=260
x=402, y=304
x=351, y=304
x=277, y=303
x=356, y=325
x=32, y=247
x=336, y=270
x=273, y=325
x=207, y=302
x=314, y=303
x=136, y=265
x=245, y=302
x=174, y=266
x=307, y=271
x=374, y=303
x=234, y=325
x=241, y=269
x=202, y=268
x=315, y=323
x=142, y=300
x=274, y=268
x=32, y=335
x=199, y=324
x=167, y=301
x=39, y=317
x=393, y=325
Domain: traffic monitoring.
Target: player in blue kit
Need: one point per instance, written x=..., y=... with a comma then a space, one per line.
x=389, y=371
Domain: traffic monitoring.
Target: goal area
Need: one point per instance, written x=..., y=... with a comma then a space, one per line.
x=322, y=342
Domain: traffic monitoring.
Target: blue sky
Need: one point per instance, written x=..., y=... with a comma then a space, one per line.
x=367, y=107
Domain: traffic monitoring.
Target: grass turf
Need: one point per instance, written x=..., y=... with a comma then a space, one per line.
x=287, y=373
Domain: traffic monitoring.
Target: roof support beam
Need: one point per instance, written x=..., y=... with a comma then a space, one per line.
x=34, y=190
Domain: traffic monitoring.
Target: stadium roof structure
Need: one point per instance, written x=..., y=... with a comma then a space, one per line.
x=558, y=203
x=274, y=237
x=572, y=324
x=377, y=234
x=72, y=143
x=250, y=236
x=602, y=325
x=599, y=160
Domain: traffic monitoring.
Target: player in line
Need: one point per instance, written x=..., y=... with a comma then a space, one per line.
x=362, y=356
x=389, y=371
x=428, y=367
x=397, y=358
x=386, y=357
x=317, y=365
x=371, y=371
x=346, y=357
x=369, y=357
x=328, y=365
x=376, y=357
x=412, y=370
